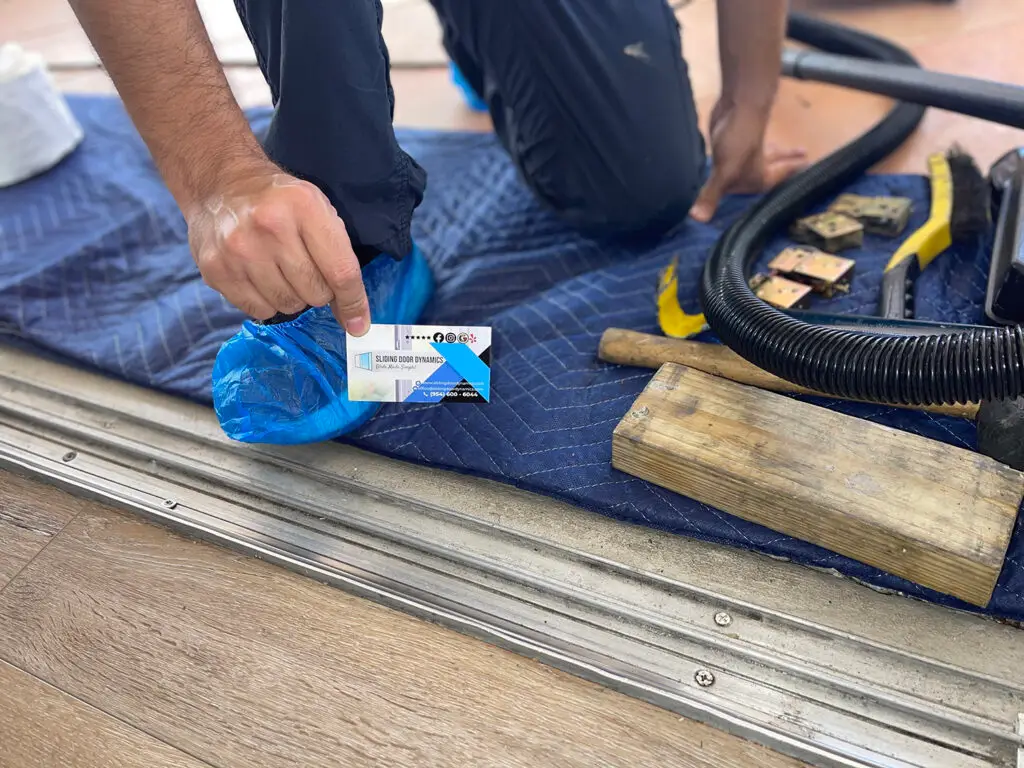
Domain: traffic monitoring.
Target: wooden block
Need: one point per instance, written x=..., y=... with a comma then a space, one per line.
x=935, y=514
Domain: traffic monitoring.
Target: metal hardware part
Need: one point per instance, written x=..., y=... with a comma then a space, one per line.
x=781, y=292
x=704, y=678
x=823, y=272
x=887, y=216
x=69, y=456
x=723, y=619
x=829, y=231
x=826, y=671
x=170, y=503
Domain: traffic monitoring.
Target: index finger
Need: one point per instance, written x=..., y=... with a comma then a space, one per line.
x=704, y=207
x=327, y=242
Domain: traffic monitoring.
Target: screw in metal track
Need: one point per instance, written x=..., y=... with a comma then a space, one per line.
x=723, y=619
x=69, y=456
x=704, y=678
x=170, y=503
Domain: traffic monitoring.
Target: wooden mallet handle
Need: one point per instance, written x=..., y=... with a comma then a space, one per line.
x=645, y=350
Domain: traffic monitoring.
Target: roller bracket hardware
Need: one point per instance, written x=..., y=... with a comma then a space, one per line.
x=824, y=273
x=780, y=292
x=886, y=216
x=828, y=231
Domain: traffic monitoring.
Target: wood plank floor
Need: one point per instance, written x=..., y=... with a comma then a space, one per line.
x=42, y=726
x=25, y=528
x=140, y=641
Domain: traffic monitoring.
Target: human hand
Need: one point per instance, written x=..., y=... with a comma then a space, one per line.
x=742, y=163
x=269, y=243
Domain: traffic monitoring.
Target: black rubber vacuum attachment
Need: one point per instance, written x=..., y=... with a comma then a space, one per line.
x=1000, y=426
x=968, y=365
x=1004, y=299
x=998, y=102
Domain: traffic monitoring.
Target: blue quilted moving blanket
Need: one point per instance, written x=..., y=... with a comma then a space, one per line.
x=95, y=271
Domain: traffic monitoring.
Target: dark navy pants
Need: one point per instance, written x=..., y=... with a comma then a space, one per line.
x=591, y=99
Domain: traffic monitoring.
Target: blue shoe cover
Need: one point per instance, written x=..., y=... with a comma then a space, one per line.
x=286, y=383
x=472, y=98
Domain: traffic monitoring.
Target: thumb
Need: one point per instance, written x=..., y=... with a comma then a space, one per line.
x=704, y=208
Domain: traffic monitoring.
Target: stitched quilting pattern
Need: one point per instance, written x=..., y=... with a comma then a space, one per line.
x=95, y=271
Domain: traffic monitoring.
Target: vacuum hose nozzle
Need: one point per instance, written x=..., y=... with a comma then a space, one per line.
x=998, y=102
x=960, y=366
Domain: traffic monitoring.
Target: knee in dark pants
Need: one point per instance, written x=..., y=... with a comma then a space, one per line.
x=656, y=199
x=592, y=100
x=643, y=193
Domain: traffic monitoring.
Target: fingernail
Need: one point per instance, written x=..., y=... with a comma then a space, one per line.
x=357, y=326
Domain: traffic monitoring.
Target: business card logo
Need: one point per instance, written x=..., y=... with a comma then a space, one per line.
x=420, y=364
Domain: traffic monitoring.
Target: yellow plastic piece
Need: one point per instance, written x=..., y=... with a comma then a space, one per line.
x=934, y=236
x=672, y=319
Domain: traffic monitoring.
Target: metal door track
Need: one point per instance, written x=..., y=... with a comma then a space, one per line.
x=810, y=665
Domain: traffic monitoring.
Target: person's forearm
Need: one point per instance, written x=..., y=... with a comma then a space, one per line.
x=750, y=38
x=160, y=58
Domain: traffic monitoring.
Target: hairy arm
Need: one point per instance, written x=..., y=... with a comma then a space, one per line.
x=163, y=64
x=750, y=39
x=267, y=241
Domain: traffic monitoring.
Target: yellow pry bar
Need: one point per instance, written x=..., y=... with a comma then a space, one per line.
x=935, y=235
x=672, y=319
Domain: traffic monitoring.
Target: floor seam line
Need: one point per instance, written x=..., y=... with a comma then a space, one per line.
x=17, y=575
x=104, y=712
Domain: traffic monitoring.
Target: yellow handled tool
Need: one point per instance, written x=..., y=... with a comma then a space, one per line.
x=959, y=209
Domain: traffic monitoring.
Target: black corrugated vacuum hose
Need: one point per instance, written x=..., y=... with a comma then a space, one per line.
x=959, y=366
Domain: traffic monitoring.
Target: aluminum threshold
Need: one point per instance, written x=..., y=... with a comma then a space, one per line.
x=812, y=665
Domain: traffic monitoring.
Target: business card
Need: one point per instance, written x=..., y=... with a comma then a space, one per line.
x=420, y=364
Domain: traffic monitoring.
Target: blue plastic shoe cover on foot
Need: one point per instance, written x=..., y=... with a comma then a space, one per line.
x=472, y=98
x=287, y=384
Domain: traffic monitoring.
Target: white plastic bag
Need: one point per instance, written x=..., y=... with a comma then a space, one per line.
x=37, y=129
